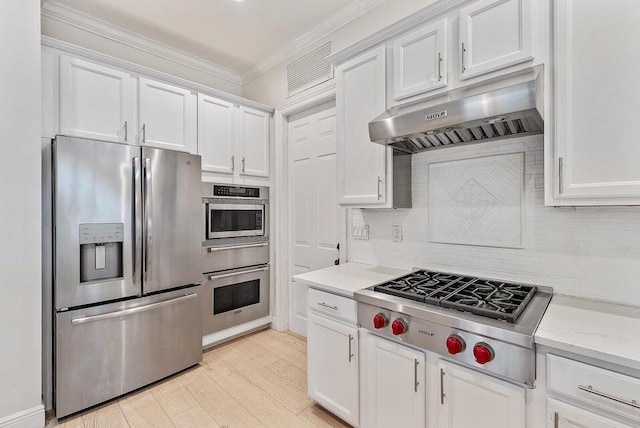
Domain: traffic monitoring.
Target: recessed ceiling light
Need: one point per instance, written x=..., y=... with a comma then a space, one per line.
x=239, y=1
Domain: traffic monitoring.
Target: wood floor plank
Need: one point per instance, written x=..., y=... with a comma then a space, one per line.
x=276, y=387
x=74, y=422
x=316, y=416
x=258, y=354
x=173, y=397
x=195, y=417
x=222, y=407
x=286, y=351
x=143, y=410
x=109, y=416
x=293, y=375
x=265, y=408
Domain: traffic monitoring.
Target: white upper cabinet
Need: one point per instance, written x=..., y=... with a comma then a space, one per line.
x=472, y=399
x=167, y=116
x=494, y=34
x=216, y=134
x=393, y=385
x=595, y=158
x=96, y=102
x=360, y=97
x=254, y=142
x=420, y=61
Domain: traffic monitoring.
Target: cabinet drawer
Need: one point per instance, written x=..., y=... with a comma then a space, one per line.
x=332, y=305
x=601, y=388
x=234, y=256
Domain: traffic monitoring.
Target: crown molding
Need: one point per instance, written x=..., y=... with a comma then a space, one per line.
x=321, y=31
x=69, y=16
x=432, y=11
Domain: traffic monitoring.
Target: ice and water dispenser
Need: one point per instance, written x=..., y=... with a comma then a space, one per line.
x=101, y=251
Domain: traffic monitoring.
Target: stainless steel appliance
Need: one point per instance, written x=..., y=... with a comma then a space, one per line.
x=126, y=268
x=485, y=324
x=235, y=211
x=495, y=109
x=235, y=256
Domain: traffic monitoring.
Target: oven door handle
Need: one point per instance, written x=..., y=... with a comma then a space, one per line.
x=227, y=275
x=235, y=247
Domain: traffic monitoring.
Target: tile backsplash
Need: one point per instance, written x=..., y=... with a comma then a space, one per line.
x=592, y=252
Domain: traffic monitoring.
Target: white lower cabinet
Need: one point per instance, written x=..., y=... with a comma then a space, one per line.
x=393, y=384
x=562, y=415
x=332, y=366
x=472, y=399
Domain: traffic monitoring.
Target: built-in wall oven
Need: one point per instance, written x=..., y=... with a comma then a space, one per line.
x=235, y=211
x=235, y=256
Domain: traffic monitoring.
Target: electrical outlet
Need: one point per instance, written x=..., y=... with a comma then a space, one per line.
x=360, y=233
x=396, y=233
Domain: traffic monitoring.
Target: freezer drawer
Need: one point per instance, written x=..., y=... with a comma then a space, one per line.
x=106, y=351
x=235, y=256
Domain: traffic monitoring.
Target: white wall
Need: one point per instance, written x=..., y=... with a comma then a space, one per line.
x=20, y=317
x=271, y=87
x=592, y=252
x=70, y=34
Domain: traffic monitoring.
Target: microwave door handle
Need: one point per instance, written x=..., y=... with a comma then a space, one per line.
x=226, y=275
x=148, y=219
x=137, y=219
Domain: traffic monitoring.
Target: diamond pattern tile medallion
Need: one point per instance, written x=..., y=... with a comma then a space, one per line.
x=472, y=201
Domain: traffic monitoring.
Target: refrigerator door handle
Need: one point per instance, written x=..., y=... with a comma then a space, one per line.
x=117, y=314
x=148, y=219
x=137, y=219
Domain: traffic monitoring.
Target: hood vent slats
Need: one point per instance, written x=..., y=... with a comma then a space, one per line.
x=507, y=108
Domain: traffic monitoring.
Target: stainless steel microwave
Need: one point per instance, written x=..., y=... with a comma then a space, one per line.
x=235, y=211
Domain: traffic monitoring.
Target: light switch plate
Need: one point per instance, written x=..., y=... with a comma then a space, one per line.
x=396, y=233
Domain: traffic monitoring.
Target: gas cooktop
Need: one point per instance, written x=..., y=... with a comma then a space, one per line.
x=490, y=298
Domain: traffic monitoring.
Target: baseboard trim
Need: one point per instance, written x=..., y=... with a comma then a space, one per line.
x=30, y=418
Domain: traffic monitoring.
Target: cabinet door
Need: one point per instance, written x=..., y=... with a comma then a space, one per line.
x=216, y=134
x=254, y=142
x=332, y=359
x=393, y=386
x=472, y=399
x=561, y=415
x=420, y=61
x=95, y=101
x=596, y=101
x=360, y=97
x=494, y=34
x=167, y=116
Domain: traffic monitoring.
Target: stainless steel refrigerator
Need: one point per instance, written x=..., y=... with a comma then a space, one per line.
x=126, y=255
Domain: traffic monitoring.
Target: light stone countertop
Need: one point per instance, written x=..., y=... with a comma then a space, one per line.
x=604, y=331
x=347, y=278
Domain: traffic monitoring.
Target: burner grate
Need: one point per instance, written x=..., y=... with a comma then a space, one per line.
x=490, y=298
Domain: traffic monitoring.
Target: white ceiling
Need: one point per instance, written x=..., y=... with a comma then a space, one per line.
x=233, y=34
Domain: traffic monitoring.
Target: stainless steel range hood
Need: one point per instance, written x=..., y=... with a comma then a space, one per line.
x=499, y=108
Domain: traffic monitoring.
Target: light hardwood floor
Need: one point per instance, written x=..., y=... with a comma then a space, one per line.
x=258, y=380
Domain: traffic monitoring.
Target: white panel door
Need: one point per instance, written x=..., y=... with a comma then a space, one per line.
x=472, y=399
x=393, y=384
x=216, y=134
x=360, y=97
x=254, y=142
x=332, y=367
x=597, y=157
x=316, y=218
x=167, y=116
x=96, y=101
x=562, y=415
x=420, y=61
x=494, y=34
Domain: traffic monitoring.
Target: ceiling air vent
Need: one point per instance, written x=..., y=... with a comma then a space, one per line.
x=309, y=70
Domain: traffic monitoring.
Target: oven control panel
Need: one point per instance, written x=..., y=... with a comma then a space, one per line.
x=236, y=191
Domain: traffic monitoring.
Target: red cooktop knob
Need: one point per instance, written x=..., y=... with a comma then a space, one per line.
x=380, y=320
x=399, y=327
x=483, y=353
x=455, y=344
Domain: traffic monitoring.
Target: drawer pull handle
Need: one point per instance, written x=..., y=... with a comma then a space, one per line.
x=335, y=308
x=240, y=272
x=590, y=390
x=235, y=247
